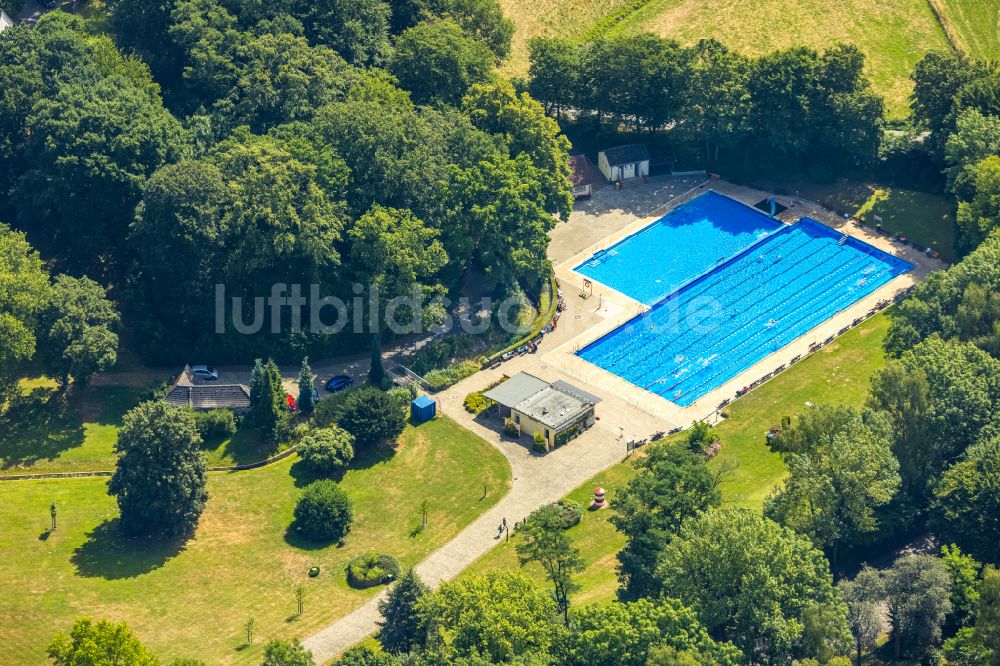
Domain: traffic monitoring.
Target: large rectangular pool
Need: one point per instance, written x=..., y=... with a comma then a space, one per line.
x=680, y=246
x=722, y=323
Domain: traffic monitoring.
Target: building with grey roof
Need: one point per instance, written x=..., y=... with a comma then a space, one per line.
x=558, y=411
x=190, y=391
x=624, y=163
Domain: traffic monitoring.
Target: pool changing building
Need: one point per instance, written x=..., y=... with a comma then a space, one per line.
x=559, y=411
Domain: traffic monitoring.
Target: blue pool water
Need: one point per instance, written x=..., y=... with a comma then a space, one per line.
x=678, y=247
x=719, y=325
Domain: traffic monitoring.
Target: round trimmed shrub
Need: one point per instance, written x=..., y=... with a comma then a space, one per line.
x=327, y=450
x=324, y=512
x=371, y=569
x=372, y=416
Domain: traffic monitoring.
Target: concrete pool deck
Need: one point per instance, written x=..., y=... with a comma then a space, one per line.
x=613, y=308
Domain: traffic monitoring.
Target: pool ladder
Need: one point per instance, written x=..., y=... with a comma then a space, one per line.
x=842, y=240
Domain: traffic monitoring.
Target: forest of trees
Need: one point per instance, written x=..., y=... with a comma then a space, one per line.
x=300, y=144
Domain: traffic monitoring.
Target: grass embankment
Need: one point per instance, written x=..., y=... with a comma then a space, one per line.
x=191, y=600
x=838, y=373
x=894, y=35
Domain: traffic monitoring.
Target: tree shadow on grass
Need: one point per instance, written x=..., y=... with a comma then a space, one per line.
x=40, y=426
x=296, y=539
x=111, y=555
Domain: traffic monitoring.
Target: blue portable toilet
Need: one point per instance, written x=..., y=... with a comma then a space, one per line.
x=422, y=409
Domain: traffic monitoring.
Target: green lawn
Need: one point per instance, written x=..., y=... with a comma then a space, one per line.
x=976, y=24
x=839, y=373
x=926, y=219
x=192, y=600
x=46, y=432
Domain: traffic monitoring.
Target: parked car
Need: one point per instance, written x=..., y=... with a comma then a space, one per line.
x=339, y=383
x=205, y=372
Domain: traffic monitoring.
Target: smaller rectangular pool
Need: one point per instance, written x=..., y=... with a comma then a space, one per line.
x=689, y=240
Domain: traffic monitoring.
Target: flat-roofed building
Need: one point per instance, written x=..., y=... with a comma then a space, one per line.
x=558, y=411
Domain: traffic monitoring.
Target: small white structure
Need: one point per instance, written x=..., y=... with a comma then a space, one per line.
x=5, y=21
x=624, y=163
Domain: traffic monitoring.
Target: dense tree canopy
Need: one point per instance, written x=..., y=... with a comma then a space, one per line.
x=79, y=321
x=918, y=598
x=672, y=486
x=750, y=581
x=498, y=615
x=940, y=395
x=626, y=633
x=159, y=481
x=24, y=293
x=959, y=303
x=91, y=147
x=841, y=469
x=966, y=503
x=437, y=62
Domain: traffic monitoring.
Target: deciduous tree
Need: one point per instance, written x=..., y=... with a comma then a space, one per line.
x=918, y=595
x=498, y=615
x=543, y=540
x=437, y=62
x=749, y=580
x=100, y=643
x=672, y=486
x=159, y=480
x=841, y=469
x=372, y=417
x=79, y=321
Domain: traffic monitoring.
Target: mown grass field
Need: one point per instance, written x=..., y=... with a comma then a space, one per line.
x=192, y=599
x=893, y=34
x=839, y=373
x=975, y=24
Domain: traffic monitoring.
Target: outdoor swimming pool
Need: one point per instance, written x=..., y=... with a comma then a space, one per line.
x=719, y=325
x=680, y=246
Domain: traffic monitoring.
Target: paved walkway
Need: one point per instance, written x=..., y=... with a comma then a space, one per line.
x=625, y=412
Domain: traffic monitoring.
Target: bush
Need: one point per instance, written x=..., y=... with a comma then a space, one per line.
x=324, y=512
x=510, y=428
x=566, y=435
x=373, y=417
x=327, y=450
x=539, y=443
x=371, y=569
x=328, y=411
x=215, y=423
x=476, y=403
x=571, y=511
x=438, y=380
x=701, y=437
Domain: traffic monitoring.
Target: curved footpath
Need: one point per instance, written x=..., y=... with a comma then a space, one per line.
x=536, y=480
